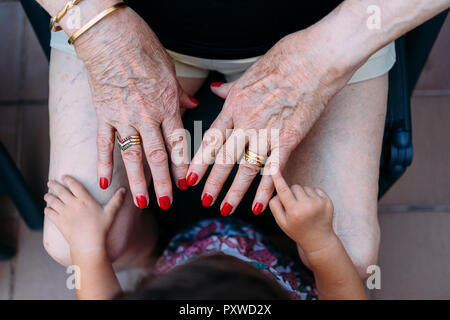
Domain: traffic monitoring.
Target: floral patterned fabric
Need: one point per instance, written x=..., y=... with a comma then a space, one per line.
x=241, y=240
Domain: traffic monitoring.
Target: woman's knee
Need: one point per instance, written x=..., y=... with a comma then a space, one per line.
x=116, y=241
x=55, y=244
x=121, y=229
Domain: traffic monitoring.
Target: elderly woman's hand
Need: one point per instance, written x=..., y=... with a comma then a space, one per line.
x=284, y=92
x=135, y=91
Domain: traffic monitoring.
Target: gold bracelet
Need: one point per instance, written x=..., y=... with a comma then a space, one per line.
x=94, y=20
x=61, y=14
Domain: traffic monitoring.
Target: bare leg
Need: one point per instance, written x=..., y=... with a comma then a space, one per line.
x=73, y=128
x=341, y=154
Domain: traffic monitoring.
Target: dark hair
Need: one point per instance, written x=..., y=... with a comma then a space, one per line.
x=216, y=276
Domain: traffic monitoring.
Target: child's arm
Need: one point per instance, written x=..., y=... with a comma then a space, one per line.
x=84, y=223
x=305, y=215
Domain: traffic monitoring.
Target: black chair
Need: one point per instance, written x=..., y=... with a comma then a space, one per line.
x=13, y=184
x=412, y=52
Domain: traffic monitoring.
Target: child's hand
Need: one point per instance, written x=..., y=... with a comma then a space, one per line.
x=304, y=214
x=83, y=222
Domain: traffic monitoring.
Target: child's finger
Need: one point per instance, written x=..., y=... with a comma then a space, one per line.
x=76, y=187
x=321, y=193
x=53, y=202
x=283, y=190
x=278, y=211
x=114, y=204
x=309, y=191
x=60, y=191
x=298, y=191
x=52, y=215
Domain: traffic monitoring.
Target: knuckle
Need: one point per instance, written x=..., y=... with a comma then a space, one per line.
x=248, y=170
x=283, y=189
x=213, y=138
x=157, y=156
x=266, y=189
x=132, y=155
x=213, y=183
x=170, y=100
x=225, y=157
x=176, y=138
x=291, y=138
x=104, y=144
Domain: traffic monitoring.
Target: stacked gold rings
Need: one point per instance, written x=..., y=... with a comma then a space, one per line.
x=254, y=158
x=129, y=141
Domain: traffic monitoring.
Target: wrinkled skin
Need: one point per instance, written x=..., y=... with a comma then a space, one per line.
x=286, y=90
x=135, y=91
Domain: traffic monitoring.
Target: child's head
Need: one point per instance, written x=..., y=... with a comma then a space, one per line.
x=216, y=276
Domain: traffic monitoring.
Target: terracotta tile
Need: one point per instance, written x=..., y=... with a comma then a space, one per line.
x=414, y=256
x=427, y=181
x=37, y=275
x=11, y=27
x=35, y=85
x=435, y=75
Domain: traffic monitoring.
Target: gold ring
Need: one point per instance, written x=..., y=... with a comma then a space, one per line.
x=254, y=158
x=129, y=141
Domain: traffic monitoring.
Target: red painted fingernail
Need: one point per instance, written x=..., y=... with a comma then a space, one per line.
x=141, y=201
x=193, y=100
x=182, y=184
x=192, y=178
x=207, y=200
x=164, y=202
x=103, y=183
x=226, y=209
x=257, y=208
x=216, y=84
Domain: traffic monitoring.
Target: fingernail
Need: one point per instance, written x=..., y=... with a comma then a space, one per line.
x=226, y=209
x=103, y=183
x=216, y=84
x=207, y=200
x=192, y=178
x=182, y=184
x=164, y=202
x=141, y=201
x=193, y=100
x=257, y=208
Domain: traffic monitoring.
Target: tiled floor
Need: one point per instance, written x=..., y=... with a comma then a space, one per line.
x=414, y=215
